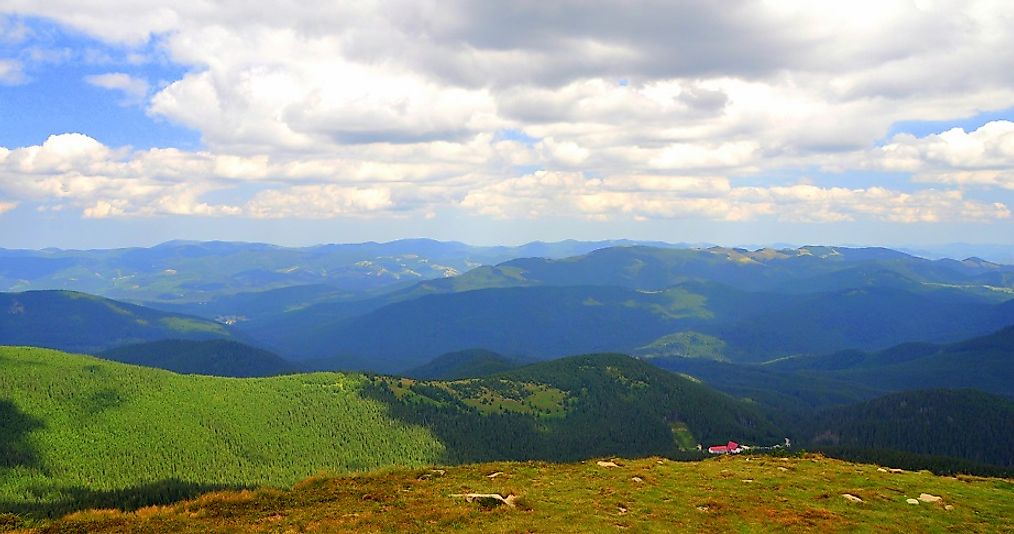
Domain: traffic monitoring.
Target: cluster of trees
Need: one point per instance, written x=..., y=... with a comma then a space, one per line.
x=615, y=405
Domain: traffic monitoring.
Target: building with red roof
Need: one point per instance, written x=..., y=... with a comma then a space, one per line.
x=729, y=448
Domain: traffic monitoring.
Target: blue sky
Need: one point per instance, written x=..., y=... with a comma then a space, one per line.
x=133, y=126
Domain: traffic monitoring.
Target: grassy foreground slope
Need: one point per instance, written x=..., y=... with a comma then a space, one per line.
x=746, y=494
x=74, y=425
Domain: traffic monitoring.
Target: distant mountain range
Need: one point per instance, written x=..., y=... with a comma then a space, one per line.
x=757, y=304
x=728, y=304
x=202, y=271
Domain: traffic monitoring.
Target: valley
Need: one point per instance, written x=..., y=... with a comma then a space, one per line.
x=865, y=355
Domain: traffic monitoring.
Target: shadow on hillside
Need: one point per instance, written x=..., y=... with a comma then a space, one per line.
x=15, y=425
x=73, y=499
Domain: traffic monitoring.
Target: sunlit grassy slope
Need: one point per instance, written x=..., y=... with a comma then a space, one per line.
x=745, y=494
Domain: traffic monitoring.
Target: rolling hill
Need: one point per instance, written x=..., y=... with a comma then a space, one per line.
x=573, y=408
x=465, y=364
x=188, y=273
x=539, y=322
x=218, y=357
x=77, y=428
x=802, y=270
x=985, y=363
x=81, y=322
x=550, y=321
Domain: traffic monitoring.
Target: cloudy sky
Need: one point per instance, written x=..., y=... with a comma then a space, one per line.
x=296, y=122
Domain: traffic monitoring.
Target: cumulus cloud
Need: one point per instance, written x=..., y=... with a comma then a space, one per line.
x=134, y=89
x=553, y=193
x=982, y=157
x=649, y=109
x=319, y=201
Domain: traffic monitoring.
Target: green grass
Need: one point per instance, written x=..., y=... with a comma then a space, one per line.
x=688, y=344
x=739, y=494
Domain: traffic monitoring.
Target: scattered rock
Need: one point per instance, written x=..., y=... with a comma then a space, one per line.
x=912, y=501
x=602, y=463
x=494, y=475
x=747, y=480
x=926, y=497
x=881, y=470
x=949, y=507
x=896, y=470
x=637, y=479
x=851, y=498
x=621, y=510
x=488, y=500
x=780, y=468
x=702, y=508
x=433, y=473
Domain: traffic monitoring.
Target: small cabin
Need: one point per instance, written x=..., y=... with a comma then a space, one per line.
x=729, y=448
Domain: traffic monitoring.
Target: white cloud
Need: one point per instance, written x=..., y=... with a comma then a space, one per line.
x=134, y=89
x=550, y=193
x=13, y=31
x=11, y=72
x=7, y=206
x=983, y=157
x=318, y=201
x=649, y=111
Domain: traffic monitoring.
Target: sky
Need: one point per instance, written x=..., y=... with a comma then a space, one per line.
x=864, y=122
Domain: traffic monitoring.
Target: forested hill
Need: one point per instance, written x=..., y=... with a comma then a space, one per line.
x=465, y=364
x=79, y=430
x=959, y=423
x=80, y=322
x=985, y=363
x=573, y=408
x=214, y=357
